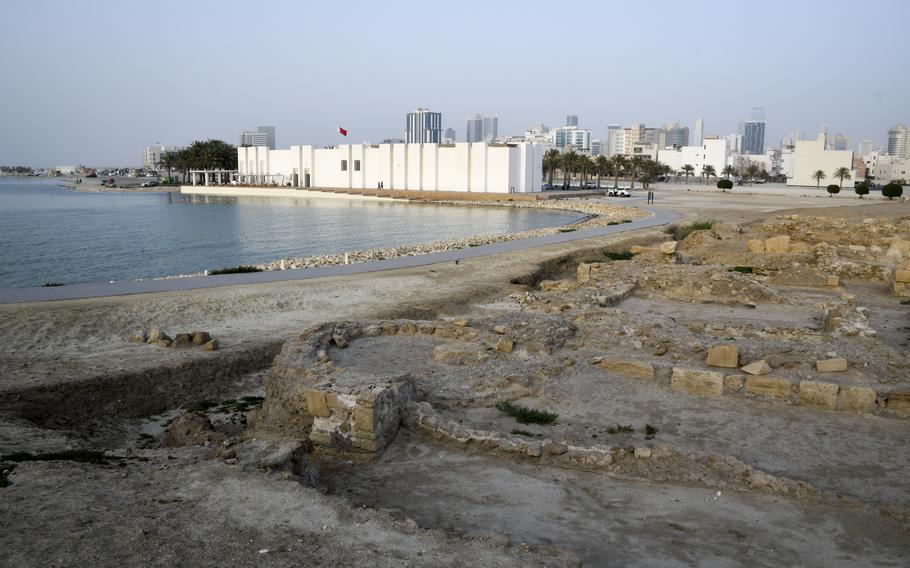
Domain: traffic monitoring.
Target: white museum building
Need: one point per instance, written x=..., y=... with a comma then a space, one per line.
x=465, y=167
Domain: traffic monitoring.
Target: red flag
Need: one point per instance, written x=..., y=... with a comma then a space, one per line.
x=342, y=131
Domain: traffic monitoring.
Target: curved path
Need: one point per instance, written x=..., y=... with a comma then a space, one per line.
x=100, y=289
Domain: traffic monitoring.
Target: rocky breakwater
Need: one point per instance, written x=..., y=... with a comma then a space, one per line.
x=595, y=215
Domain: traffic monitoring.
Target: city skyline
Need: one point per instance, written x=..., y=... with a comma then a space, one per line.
x=91, y=104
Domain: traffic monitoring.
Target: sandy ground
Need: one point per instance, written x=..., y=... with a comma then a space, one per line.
x=69, y=378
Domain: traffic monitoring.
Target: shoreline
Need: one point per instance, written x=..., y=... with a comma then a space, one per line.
x=594, y=215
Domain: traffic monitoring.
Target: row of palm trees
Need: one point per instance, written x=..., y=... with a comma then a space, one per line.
x=207, y=155
x=571, y=163
x=840, y=173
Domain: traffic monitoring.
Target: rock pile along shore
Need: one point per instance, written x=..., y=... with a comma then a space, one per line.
x=596, y=215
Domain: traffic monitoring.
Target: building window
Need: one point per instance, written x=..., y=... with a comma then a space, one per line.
x=356, y=165
x=344, y=165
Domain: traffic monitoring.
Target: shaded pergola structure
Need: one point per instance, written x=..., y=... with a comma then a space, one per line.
x=233, y=177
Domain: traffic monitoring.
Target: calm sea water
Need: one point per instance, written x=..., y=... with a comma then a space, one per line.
x=50, y=234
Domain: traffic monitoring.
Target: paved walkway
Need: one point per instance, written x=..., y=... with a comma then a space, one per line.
x=101, y=289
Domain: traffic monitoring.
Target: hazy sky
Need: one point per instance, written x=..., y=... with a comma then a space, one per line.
x=95, y=82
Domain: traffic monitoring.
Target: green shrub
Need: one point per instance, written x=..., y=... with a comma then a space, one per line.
x=236, y=270
x=650, y=431
x=620, y=429
x=833, y=188
x=623, y=255
x=680, y=232
x=724, y=184
x=861, y=189
x=893, y=190
x=526, y=415
x=741, y=269
x=51, y=284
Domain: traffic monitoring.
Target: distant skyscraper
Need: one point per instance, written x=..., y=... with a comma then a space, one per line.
x=474, y=129
x=269, y=132
x=578, y=138
x=754, y=133
x=864, y=148
x=614, y=140
x=490, y=128
x=676, y=135
x=837, y=142
x=899, y=141
x=699, y=131
x=482, y=128
x=449, y=136
x=571, y=120
x=423, y=126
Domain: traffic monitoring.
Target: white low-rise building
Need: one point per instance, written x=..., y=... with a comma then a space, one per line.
x=885, y=169
x=466, y=167
x=713, y=152
x=809, y=156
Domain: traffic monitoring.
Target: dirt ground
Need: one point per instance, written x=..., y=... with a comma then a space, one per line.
x=242, y=495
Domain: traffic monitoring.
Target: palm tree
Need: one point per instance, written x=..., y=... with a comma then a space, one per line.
x=551, y=161
x=842, y=173
x=687, y=170
x=620, y=164
x=728, y=171
x=818, y=176
x=585, y=164
x=707, y=171
x=569, y=164
x=635, y=165
x=602, y=167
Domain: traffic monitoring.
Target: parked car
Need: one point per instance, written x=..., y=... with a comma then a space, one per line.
x=149, y=184
x=590, y=185
x=546, y=187
x=620, y=192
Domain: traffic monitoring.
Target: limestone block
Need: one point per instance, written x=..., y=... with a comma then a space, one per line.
x=778, y=244
x=757, y=368
x=643, y=452
x=457, y=353
x=500, y=329
x=818, y=394
x=902, y=276
x=668, y=247
x=637, y=249
x=505, y=345
x=734, y=382
x=426, y=328
x=723, y=355
x=707, y=383
x=899, y=401
x=201, y=337
x=316, y=403
x=389, y=328
x=408, y=328
x=182, y=340
x=583, y=273
x=756, y=245
x=769, y=386
x=859, y=399
x=372, y=331
x=831, y=365
x=364, y=419
x=212, y=345
x=799, y=247
x=832, y=281
x=628, y=368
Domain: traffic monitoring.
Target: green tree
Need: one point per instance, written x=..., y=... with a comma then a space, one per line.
x=687, y=170
x=551, y=163
x=893, y=189
x=861, y=189
x=818, y=176
x=635, y=166
x=620, y=164
x=833, y=189
x=752, y=172
x=728, y=171
x=707, y=171
x=724, y=185
x=601, y=167
x=842, y=173
x=569, y=165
